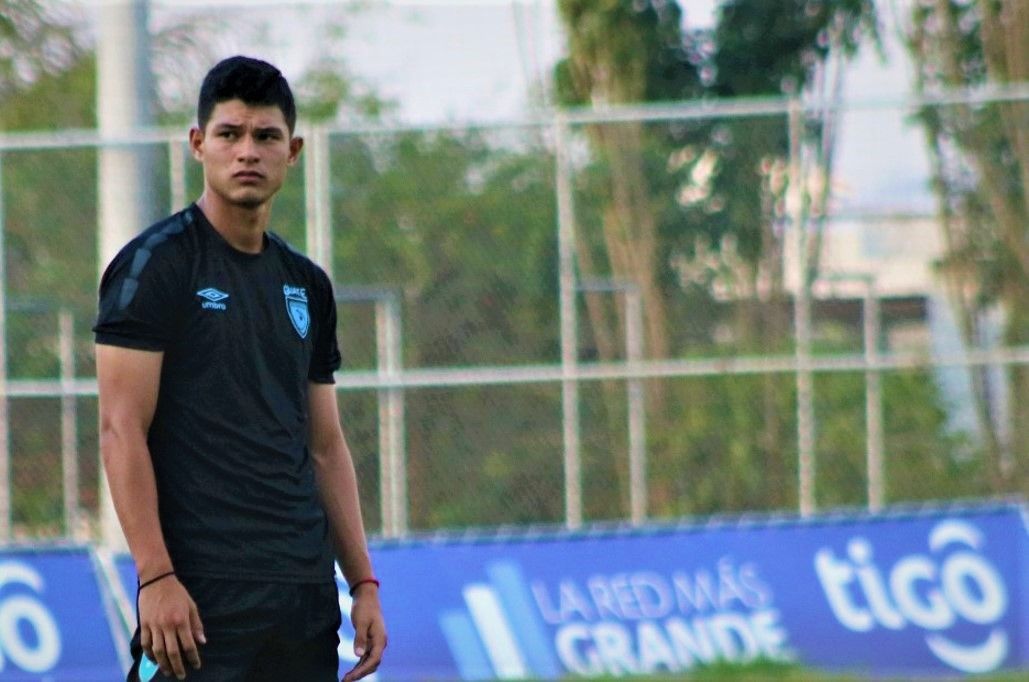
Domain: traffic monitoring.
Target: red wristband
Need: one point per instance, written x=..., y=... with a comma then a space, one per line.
x=353, y=588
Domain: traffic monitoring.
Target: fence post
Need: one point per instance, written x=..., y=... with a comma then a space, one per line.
x=635, y=400
x=802, y=319
x=569, y=330
x=873, y=398
x=318, y=205
x=389, y=359
x=177, y=174
x=5, y=436
x=392, y=458
x=69, y=421
x=637, y=408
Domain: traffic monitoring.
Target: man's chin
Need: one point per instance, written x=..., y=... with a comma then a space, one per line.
x=249, y=200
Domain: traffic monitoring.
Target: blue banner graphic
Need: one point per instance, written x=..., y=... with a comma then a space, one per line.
x=928, y=593
x=53, y=624
x=935, y=592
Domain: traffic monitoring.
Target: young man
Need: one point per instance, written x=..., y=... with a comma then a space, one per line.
x=220, y=433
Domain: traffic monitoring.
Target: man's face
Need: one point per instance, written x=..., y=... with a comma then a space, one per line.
x=245, y=151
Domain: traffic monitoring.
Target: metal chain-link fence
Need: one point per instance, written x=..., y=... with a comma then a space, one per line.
x=589, y=316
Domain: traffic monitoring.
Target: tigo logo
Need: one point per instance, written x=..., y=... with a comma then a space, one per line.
x=933, y=592
x=29, y=637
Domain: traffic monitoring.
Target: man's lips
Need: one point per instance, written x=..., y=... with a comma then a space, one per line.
x=248, y=175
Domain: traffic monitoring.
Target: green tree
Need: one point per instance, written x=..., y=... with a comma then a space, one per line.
x=38, y=39
x=980, y=162
x=48, y=83
x=693, y=211
x=460, y=226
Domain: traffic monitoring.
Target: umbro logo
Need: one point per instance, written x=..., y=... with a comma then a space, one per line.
x=213, y=298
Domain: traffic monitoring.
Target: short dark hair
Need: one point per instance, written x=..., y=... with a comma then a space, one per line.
x=255, y=82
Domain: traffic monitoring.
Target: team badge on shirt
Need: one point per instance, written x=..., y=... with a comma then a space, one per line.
x=296, y=306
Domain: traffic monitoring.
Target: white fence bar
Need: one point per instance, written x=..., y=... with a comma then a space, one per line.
x=806, y=462
x=177, y=174
x=635, y=396
x=661, y=111
x=447, y=377
x=637, y=409
x=393, y=458
x=5, y=420
x=569, y=328
x=69, y=422
x=389, y=368
x=873, y=401
x=317, y=197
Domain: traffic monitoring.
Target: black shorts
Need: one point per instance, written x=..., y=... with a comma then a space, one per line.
x=261, y=632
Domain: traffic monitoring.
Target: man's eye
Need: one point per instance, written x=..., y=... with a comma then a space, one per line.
x=228, y=134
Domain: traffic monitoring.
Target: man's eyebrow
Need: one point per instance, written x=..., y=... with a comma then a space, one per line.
x=225, y=125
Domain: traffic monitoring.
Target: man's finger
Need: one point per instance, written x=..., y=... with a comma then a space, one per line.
x=196, y=626
x=360, y=643
x=368, y=663
x=188, y=646
x=147, y=642
x=157, y=652
x=171, y=644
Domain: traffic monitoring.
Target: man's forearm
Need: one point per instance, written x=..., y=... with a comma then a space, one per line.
x=130, y=476
x=337, y=485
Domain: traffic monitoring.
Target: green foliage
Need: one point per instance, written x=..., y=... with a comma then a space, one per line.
x=464, y=229
x=49, y=220
x=981, y=178
x=38, y=39
x=624, y=51
x=769, y=48
x=461, y=226
x=64, y=99
x=327, y=90
x=715, y=191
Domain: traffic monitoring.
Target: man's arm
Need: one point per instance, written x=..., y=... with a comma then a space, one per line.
x=337, y=486
x=128, y=382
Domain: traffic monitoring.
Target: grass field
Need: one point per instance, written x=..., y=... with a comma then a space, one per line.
x=786, y=672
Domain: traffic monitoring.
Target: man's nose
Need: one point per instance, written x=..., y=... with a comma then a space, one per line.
x=246, y=150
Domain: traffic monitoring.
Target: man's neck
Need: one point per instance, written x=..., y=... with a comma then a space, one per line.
x=243, y=228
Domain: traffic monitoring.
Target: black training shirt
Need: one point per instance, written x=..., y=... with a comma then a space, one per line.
x=242, y=334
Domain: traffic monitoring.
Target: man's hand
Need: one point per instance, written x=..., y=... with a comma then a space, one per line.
x=170, y=627
x=370, y=629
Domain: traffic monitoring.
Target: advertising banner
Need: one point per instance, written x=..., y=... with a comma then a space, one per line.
x=923, y=593
x=933, y=592
x=53, y=620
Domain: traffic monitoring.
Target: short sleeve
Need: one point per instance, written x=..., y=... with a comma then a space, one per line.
x=325, y=359
x=140, y=296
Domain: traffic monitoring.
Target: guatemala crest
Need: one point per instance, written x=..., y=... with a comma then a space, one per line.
x=296, y=306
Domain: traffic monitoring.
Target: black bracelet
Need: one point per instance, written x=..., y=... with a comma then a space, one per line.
x=154, y=580
x=353, y=588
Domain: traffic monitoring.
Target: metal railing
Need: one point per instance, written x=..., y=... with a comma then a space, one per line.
x=391, y=379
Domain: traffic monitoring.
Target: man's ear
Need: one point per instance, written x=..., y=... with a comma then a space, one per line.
x=196, y=143
x=295, y=145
